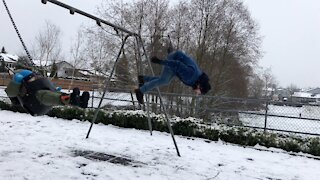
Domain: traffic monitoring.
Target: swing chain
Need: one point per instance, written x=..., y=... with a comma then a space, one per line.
x=18, y=33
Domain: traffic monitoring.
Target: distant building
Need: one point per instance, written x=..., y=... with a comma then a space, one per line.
x=67, y=71
x=282, y=94
x=310, y=96
x=314, y=91
x=64, y=69
x=9, y=60
x=303, y=97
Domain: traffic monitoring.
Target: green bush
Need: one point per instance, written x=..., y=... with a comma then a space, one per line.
x=211, y=134
x=67, y=113
x=4, y=106
x=313, y=147
x=290, y=145
x=185, y=128
x=268, y=140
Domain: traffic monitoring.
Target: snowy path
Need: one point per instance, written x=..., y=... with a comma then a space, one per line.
x=38, y=148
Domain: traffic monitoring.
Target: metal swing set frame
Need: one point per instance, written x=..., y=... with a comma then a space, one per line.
x=140, y=47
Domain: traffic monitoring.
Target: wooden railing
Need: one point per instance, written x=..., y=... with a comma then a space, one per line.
x=63, y=83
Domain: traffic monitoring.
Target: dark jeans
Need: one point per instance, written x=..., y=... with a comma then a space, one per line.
x=152, y=82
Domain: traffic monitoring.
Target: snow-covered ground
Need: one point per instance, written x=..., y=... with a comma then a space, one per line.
x=38, y=148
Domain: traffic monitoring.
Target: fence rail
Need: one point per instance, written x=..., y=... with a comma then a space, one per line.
x=253, y=113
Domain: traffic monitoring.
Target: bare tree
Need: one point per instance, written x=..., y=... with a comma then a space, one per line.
x=148, y=18
x=77, y=51
x=99, y=49
x=256, y=86
x=270, y=83
x=180, y=26
x=292, y=88
x=47, y=47
x=220, y=35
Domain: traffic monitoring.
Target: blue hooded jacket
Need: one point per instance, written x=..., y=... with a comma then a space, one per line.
x=21, y=75
x=184, y=67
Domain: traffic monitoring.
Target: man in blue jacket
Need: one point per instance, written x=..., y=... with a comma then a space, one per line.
x=177, y=64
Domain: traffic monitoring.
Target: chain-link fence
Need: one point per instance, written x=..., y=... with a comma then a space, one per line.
x=254, y=113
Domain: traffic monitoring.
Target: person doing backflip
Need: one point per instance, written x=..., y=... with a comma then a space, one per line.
x=176, y=64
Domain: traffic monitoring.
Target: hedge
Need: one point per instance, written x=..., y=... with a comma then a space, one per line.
x=187, y=127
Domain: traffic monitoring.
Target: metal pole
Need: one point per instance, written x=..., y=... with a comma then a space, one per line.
x=266, y=117
x=105, y=87
x=148, y=114
x=92, y=98
x=134, y=106
x=161, y=101
x=141, y=71
x=98, y=20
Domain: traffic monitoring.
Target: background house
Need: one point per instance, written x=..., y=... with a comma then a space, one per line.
x=311, y=96
x=314, y=91
x=68, y=71
x=283, y=94
x=303, y=97
x=63, y=69
x=9, y=60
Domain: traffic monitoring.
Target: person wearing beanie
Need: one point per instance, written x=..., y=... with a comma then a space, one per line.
x=177, y=64
x=36, y=94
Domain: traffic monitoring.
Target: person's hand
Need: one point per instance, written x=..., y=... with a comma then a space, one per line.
x=197, y=90
x=156, y=60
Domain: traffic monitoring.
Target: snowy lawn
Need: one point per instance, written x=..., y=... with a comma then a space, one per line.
x=40, y=148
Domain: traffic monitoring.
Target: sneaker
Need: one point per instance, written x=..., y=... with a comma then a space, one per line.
x=75, y=97
x=14, y=101
x=84, y=99
x=140, y=80
x=139, y=96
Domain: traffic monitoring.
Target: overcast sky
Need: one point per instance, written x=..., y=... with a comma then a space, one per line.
x=291, y=31
x=291, y=44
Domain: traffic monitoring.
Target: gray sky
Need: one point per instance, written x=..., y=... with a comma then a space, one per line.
x=291, y=44
x=30, y=17
x=291, y=31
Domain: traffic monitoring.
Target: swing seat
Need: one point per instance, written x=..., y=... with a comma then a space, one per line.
x=29, y=101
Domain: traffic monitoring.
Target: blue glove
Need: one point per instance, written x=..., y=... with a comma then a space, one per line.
x=18, y=78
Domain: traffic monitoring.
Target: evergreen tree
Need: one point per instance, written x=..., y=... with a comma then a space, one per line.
x=3, y=50
x=54, y=69
x=2, y=65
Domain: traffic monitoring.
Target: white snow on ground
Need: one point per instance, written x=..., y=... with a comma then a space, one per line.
x=40, y=148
